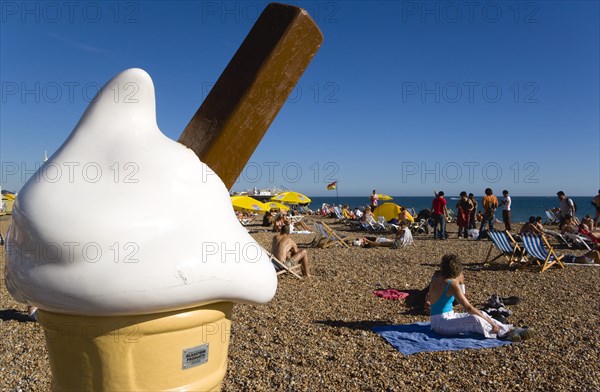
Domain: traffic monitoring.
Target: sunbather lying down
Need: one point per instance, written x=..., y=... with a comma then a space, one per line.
x=403, y=238
x=591, y=257
x=444, y=287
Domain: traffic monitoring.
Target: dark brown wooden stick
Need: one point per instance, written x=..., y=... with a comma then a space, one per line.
x=243, y=103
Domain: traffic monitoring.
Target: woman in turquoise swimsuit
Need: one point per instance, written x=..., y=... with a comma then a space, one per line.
x=448, y=284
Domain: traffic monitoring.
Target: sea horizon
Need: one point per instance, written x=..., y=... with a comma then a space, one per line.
x=521, y=209
x=447, y=195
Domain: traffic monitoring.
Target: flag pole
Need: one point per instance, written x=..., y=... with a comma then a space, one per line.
x=337, y=195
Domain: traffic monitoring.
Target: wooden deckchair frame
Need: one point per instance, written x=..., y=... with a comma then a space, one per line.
x=327, y=241
x=332, y=233
x=339, y=215
x=294, y=270
x=557, y=259
x=549, y=261
x=511, y=258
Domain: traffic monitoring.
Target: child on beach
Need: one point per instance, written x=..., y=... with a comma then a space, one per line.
x=448, y=284
x=479, y=217
x=538, y=224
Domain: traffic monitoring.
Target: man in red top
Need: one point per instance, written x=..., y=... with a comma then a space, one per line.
x=438, y=213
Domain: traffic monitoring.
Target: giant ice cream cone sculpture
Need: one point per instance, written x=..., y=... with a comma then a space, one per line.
x=129, y=246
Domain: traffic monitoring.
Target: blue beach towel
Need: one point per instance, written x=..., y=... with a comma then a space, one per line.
x=414, y=338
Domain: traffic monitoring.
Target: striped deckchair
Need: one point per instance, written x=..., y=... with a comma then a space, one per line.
x=506, y=244
x=539, y=249
x=328, y=236
x=377, y=226
x=305, y=210
x=367, y=226
x=338, y=214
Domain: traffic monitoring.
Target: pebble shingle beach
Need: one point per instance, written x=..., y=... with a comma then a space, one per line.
x=316, y=334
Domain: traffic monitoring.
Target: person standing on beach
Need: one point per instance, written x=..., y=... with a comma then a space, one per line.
x=506, y=202
x=374, y=200
x=465, y=208
x=438, y=213
x=473, y=219
x=490, y=203
x=596, y=204
x=567, y=207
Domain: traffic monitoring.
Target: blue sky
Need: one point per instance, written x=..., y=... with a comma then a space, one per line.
x=404, y=97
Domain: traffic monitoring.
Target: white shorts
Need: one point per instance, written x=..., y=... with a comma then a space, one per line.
x=452, y=324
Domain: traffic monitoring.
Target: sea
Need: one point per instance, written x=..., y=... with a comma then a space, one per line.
x=522, y=206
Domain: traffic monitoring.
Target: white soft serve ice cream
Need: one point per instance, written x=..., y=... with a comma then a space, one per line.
x=123, y=220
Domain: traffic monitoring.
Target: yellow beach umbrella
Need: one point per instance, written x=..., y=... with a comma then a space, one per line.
x=390, y=211
x=246, y=203
x=274, y=204
x=291, y=198
x=384, y=197
x=8, y=199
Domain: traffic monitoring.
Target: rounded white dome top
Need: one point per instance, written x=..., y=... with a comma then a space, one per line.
x=122, y=220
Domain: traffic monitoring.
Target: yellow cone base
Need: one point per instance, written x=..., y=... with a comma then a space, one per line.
x=181, y=351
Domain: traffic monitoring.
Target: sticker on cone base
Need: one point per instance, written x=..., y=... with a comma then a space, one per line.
x=194, y=356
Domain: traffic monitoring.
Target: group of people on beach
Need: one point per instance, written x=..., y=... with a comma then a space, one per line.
x=276, y=219
x=468, y=216
x=448, y=283
x=568, y=223
x=467, y=213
